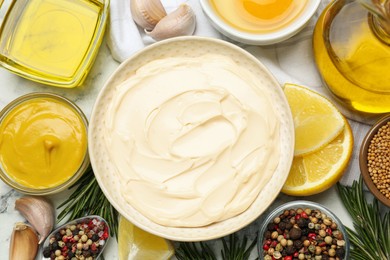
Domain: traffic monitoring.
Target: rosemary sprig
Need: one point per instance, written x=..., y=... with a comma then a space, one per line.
x=194, y=251
x=236, y=251
x=371, y=238
x=232, y=250
x=88, y=199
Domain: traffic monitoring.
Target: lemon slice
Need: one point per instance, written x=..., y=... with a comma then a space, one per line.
x=316, y=120
x=136, y=244
x=313, y=173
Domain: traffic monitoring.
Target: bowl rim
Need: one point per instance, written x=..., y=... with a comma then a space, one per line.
x=363, y=162
x=265, y=38
x=85, y=164
x=300, y=204
x=101, y=165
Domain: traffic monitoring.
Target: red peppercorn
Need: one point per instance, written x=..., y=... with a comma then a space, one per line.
x=274, y=243
x=328, y=231
x=297, y=216
x=322, y=244
x=304, y=215
x=93, y=247
x=312, y=236
x=296, y=254
x=288, y=257
x=266, y=247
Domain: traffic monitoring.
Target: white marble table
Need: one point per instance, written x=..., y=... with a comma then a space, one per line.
x=12, y=86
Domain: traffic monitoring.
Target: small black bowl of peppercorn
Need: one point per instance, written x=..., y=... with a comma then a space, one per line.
x=82, y=238
x=302, y=230
x=374, y=160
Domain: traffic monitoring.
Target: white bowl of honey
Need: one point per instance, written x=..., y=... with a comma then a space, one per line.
x=259, y=22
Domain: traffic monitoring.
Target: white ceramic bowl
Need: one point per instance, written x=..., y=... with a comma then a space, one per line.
x=264, y=38
x=105, y=170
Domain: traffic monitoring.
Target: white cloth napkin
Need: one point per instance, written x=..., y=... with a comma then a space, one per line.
x=290, y=61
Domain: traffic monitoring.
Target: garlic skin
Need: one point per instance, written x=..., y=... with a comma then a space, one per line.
x=39, y=213
x=178, y=23
x=24, y=242
x=147, y=13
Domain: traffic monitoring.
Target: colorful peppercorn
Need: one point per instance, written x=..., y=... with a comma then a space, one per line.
x=81, y=240
x=303, y=234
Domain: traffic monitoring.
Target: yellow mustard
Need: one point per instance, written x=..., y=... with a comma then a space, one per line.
x=43, y=142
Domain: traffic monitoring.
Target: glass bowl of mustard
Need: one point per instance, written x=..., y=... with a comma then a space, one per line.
x=43, y=144
x=53, y=42
x=302, y=229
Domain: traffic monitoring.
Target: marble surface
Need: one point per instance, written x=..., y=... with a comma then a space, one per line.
x=13, y=86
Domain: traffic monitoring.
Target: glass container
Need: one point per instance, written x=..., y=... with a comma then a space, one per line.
x=53, y=42
x=351, y=48
x=302, y=204
x=37, y=148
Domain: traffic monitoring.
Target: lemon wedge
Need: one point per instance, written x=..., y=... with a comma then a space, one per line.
x=313, y=173
x=316, y=120
x=137, y=244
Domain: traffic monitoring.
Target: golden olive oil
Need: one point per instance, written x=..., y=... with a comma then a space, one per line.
x=258, y=16
x=49, y=38
x=353, y=60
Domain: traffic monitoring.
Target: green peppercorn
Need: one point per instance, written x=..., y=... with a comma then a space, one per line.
x=277, y=255
x=312, y=249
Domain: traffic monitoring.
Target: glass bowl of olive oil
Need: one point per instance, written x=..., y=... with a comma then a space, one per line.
x=53, y=42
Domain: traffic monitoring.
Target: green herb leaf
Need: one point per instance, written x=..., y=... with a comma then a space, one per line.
x=371, y=238
x=232, y=250
x=89, y=199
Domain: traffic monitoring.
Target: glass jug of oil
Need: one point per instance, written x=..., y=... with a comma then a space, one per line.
x=351, y=45
x=52, y=41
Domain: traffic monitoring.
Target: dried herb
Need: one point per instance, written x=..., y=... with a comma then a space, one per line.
x=371, y=238
x=89, y=199
x=231, y=250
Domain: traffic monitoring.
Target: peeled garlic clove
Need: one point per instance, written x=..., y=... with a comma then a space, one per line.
x=39, y=213
x=178, y=23
x=147, y=13
x=24, y=242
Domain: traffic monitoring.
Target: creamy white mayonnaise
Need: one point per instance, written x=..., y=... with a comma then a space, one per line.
x=194, y=140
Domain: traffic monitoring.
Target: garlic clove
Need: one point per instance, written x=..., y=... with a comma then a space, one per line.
x=24, y=242
x=147, y=13
x=178, y=23
x=39, y=213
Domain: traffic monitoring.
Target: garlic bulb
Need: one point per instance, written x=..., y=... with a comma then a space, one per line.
x=147, y=13
x=178, y=23
x=24, y=242
x=39, y=213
